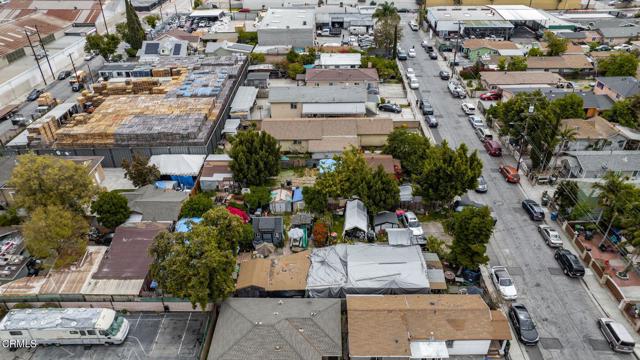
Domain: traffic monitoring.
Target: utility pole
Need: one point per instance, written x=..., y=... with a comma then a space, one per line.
x=161, y=18
x=175, y=7
x=75, y=71
x=35, y=57
x=524, y=137
x=90, y=73
x=106, y=28
x=455, y=50
x=46, y=56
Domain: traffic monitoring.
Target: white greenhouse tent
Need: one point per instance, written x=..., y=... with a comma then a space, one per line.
x=355, y=218
x=366, y=269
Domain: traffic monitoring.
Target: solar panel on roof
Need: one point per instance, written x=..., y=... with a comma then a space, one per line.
x=151, y=48
x=176, y=49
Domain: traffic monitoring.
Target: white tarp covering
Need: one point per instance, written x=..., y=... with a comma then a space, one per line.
x=518, y=13
x=178, y=164
x=355, y=216
x=366, y=269
x=429, y=350
x=399, y=237
x=244, y=99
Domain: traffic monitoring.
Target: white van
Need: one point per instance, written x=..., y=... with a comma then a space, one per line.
x=617, y=335
x=357, y=30
x=413, y=25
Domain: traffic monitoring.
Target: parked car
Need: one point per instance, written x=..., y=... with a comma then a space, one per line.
x=433, y=55
x=535, y=211
x=549, y=235
x=482, y=185
x=569, y=263
x=623, y=47
x=410, y=220
x=493, y=148
x=413, y=83
x=602, y=48
x=413, y=25
x=425, y=106
x=523, y=324
x=34, y=94
x=510, y=174
x=410, y=72
x=89, y=56
x=390, y=107
x=412, y=53
x=616, y=335
x=490, y=96
x=445, y=75
x=468, y=108
x=503, y=282
x=476, y=121
x=402, y=55
x=483, y=134
x=431, y=121
x=64, y=74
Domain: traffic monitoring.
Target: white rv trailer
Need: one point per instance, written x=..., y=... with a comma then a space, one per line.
x=71, y=326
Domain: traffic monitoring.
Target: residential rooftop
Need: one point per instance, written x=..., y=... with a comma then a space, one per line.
x=320, y=94
x=287, y=19
x=593, y=128
x=520, y=77
x=624, y=85
x=360, y=74
x=282, y=273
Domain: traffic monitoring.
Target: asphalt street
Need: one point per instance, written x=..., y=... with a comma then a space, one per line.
x=561, y=307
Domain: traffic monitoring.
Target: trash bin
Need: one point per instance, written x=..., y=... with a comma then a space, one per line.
x=554, y=215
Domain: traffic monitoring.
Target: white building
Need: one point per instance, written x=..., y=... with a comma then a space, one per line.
x=295, y=27
x=339, y=61
x=277, y=4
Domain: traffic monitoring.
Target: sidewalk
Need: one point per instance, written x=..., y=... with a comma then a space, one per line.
x=600, y=295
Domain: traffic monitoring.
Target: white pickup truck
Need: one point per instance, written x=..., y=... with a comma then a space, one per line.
x=456, y=89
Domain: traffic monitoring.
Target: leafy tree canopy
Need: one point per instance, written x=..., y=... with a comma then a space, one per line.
x=199, y=264
x=105, y=45
x=196, y=206
x=255, y=157
x=112, y=209
x=42, y=180
x=314, y=199
x=618, y=64
x=471, y=229
x=408, y=147
x=387, y=33
x=135, y=33
x=139, y=171
x=258, y=196
x=555, y=45
x=625, y=112
x=54, y=232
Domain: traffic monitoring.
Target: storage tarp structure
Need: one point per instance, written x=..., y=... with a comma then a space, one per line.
x=366, y=269
x=182, y=168
x=355, y=217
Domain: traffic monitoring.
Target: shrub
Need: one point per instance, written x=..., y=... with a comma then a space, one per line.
x=320, y=234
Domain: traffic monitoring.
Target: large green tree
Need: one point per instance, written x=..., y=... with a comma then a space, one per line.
x=111, y=208
x=625, y=112
x=631, y=229
x=258, y=196
x=618, y=64
x=570, y=106
x=139, y=171
x=135, y=33
x=199, y=264
x=409, y=147
x=43, y=180
x=555, y=44
x=255, y=157
x=387, y=31
x=104, y=45
x=315, y=200
x=471, y=229
x=53, y=232
x=614, y=194
x=196, y=206
x=447, y=173
x=352, y=176
x=517, y=63
x=566, y=197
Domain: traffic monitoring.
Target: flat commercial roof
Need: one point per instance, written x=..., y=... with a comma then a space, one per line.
x=244, y=99
x=288, y=19
x=464, y=13
x=518, y=13
x=207, y=13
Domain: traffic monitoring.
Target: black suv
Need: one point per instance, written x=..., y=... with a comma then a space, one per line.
x=533, y=209
x=34, y=94
x=569, y=263
x=389, y=107
x=525, y=327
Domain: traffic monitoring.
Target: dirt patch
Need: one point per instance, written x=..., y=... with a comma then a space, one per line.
x=435, y=228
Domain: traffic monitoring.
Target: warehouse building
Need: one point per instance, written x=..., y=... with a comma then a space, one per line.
x=478, y=21
x=179, y=109
x=295, y=27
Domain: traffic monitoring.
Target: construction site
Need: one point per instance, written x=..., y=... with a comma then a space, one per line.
x=180, y=109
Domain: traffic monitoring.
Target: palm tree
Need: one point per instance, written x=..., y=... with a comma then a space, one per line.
x=564, y=136
x=387, y=14
x=613, y=197
x=631, y=232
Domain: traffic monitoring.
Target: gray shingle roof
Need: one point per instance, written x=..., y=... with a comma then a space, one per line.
x=156, y=204
x=283, y=329
x=624, y=85
x=612, y=160
x=322, y=94
x=619, y=32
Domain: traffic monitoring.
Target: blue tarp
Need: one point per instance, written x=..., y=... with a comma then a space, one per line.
x=326, y=165
x=297, y=195
x=165, y=185
x=185, y=181
x=184, y=225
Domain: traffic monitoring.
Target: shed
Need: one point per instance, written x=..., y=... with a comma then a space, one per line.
x=243, y=102
x=356, y=220
x=298, y=199
x=257, y=79
x=385, y=220
x=280, y=201
x=268, y=229
x=399, y=236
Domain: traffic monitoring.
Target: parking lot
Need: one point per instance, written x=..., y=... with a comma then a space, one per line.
x=151, y=336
